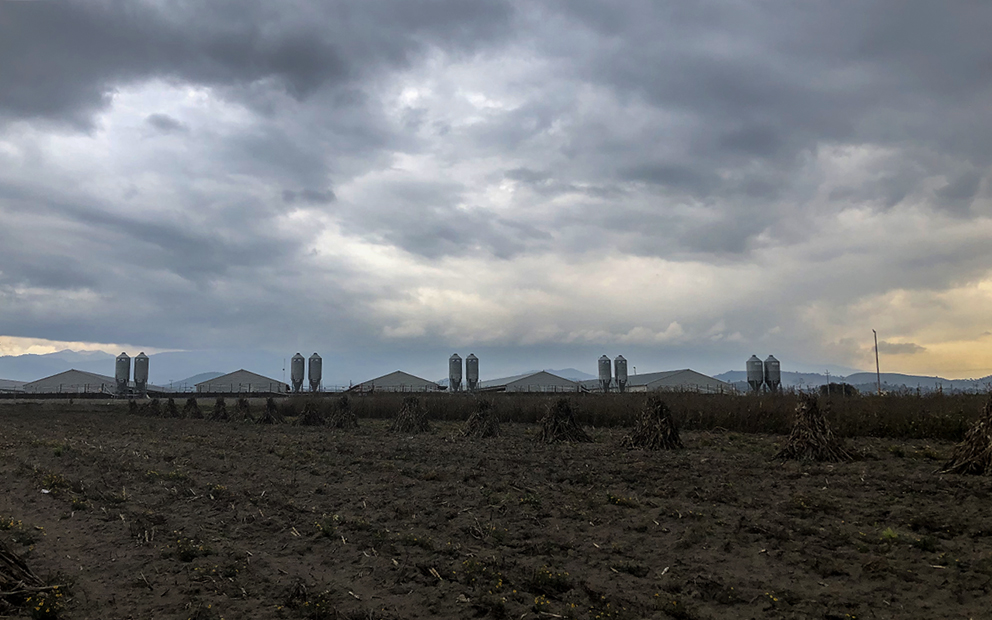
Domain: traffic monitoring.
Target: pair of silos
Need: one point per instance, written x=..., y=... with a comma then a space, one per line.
x=122, y=373
x=298, y=368
x=455, y=372
x=767, y=373
x=619, y=374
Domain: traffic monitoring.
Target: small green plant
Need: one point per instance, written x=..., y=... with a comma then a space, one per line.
x=47, y=605
x=531, y=500
x=889, y=535
x=620, y=500
x=9, y=523
x=550, y=582
x=327, y=525
x=188, y=549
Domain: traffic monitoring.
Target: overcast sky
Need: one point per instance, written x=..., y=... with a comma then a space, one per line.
x=683, y=183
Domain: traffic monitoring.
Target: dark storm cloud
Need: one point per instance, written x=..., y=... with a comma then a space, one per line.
x=432, y=220
x=63, y=60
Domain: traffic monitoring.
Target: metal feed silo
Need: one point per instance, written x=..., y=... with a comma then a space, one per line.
x=604, y=373
x=471, y=372
x=773, y=373
x=455, y=372
x=297, y=367
x=122, y=372
x=620, y=372
x=141, y=372
x=315, y=370
x=755, y=373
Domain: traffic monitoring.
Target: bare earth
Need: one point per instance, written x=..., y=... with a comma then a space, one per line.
x=162, y=518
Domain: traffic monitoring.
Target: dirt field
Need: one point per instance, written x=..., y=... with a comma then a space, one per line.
x=164, y=518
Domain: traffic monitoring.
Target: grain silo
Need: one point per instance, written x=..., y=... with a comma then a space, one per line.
x=620, y=372
x=755, y=373
x=297, y=367
x=454, y=372
x=315, y=371
x=773, y=373
x=604, y=373
x=141, y=373
x=472, y=372
x=122, y=372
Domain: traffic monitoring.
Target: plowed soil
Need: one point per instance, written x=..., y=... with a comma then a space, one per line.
x=163, y=518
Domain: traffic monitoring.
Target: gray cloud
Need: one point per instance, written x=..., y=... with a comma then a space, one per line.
x=309, y=196
x=165, y=123
x=900, y=348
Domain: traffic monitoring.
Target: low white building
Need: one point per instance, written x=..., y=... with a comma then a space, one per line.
x=684, y=380
x=78, y=382
x=542, y=381
x=398, y=381
x=8, y=386
x=241, y=382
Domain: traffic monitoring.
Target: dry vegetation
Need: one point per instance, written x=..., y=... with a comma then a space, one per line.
x=148, y=515
x=811, y=438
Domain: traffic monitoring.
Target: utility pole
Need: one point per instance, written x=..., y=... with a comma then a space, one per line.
x=878, y=373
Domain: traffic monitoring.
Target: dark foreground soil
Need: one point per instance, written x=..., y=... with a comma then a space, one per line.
x=161, y=518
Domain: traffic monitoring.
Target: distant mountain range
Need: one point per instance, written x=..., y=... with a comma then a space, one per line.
x=866, y=381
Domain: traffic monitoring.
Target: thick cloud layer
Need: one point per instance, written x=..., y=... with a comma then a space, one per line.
x=690, y=182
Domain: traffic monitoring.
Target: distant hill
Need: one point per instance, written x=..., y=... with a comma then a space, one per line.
x=32, y=367
x=189, y=382
x=866, y=381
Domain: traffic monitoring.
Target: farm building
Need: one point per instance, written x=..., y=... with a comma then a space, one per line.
x=398, y=381
x=241, y=381
x=77, y=382
x=542, y=381
x=684, y=380
x=7, y=386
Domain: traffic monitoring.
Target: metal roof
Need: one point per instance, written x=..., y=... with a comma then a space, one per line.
x=241, y=380
x=534, y=380
x=684, y=378
x=397, y=380
x=78, y=381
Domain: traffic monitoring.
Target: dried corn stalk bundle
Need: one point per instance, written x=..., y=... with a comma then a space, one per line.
x=243, y=410
x=342, y=415
x=312, y=415
x=412, y=417
x=220, y=410
x=484, y=421
x=655, y=429
x=271, y=414
x=974, y=454
x=192, y=409
x=171, y=410
x=811, y=439
x=559, y=424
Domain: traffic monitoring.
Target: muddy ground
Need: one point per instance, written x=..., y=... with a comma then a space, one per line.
x=163, y=518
